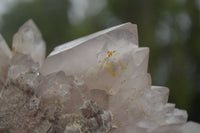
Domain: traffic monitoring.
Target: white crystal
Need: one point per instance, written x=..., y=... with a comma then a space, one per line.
x=126, y=32
x=105, y=51
x=28, y=40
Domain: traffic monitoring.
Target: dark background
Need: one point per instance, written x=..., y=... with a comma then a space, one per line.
x=170, y=28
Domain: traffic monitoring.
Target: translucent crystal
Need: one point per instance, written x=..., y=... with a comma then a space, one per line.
x=95, y=45
x=28, y=40
x=57, y=89
x=5, y=56
x=111, y=62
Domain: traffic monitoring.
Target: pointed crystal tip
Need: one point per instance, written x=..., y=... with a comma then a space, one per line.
x=4, y=49
x=27, y=26
x=28, y=40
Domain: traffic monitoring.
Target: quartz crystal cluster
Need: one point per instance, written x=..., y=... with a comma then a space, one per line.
x=95, y=84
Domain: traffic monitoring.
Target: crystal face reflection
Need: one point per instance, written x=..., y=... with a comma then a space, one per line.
x=96, y=84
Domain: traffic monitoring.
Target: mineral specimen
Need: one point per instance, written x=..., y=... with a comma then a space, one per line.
x=95, y=84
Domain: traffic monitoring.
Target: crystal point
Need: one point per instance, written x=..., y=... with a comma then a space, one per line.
x=28, y=40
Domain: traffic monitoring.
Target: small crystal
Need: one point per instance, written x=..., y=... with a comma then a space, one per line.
x=28, y=40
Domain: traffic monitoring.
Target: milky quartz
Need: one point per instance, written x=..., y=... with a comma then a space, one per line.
x=95, y=84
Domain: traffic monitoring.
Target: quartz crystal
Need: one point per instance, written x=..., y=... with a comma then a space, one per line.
x=28, y=40
x=95, y=84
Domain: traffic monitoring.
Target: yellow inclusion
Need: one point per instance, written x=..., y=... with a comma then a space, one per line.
x=110, y=53
x=107, y=64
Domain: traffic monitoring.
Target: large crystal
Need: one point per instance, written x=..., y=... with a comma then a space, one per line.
x=74, y=53
x=95, y=84
x=28, y=40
